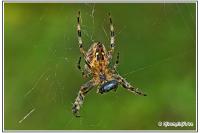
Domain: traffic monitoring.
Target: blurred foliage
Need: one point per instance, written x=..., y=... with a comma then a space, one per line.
x=157, y=54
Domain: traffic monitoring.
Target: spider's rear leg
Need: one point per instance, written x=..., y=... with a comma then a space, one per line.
x=129, y=87
x=85, y=88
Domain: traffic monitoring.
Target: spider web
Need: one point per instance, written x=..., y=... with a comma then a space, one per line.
x=55, y=91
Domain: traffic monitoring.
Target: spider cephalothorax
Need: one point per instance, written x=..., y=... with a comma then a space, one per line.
x=98, y=61
x=97, y=66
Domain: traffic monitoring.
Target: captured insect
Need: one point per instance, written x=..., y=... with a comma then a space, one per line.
x=97, y=66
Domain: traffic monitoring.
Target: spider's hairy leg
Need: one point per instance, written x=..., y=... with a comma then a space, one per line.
x=114, y=68
x=116, y=62
x=79, y=34
x=129, y=87
x=85, y=74
x=85, y=88
x=79, y=66
x=112, y=37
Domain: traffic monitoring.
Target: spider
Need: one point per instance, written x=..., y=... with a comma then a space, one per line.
x=97, y=64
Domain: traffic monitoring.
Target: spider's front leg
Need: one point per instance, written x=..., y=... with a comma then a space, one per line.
x=79, y=34
x=127, y=86
x=114, y=68
x=112, y=38
x=85, y=88
x=116, y=62
x=85, y=72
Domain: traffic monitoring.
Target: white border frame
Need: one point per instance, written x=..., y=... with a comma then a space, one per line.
x=95, y=1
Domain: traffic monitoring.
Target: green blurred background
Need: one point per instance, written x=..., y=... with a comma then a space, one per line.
x=157, y=54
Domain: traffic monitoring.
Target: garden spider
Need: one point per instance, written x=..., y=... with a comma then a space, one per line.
x=97, y=60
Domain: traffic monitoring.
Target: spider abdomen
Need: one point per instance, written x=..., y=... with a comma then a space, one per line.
x=110, y=85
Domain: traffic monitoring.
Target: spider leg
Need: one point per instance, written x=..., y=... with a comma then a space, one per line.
x=85, y=74
x=129, y=87
x=79, y=66
x=79, y=34
x=112, y=37
x=116, y=62
x=114, y=68
x=84, y=89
